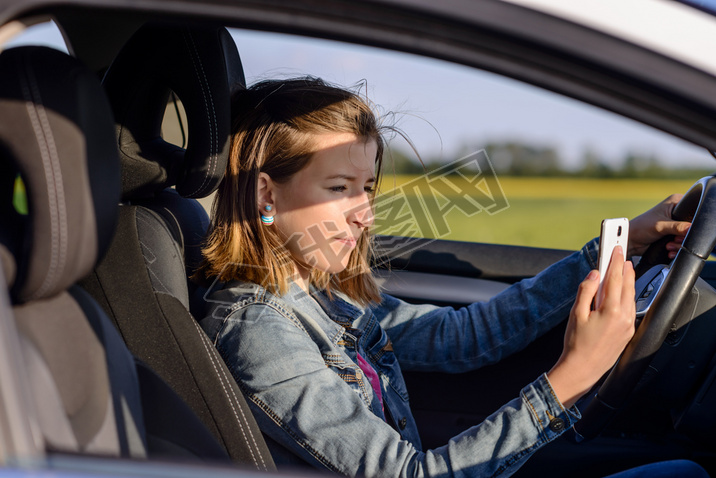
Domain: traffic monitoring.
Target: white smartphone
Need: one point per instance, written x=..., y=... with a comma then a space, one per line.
x=615, y=232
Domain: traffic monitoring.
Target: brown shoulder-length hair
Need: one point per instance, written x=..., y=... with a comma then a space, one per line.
x=272, y=132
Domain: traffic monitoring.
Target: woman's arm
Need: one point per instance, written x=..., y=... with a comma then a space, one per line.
x=429, y=338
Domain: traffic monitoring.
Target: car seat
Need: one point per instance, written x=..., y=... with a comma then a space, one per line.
x=142, y=281
x=60, y=180
x=60, y=185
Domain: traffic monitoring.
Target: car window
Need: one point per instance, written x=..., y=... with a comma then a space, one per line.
x=502, y=161
x=478, y=157
x=45, y=33
x=474, y=156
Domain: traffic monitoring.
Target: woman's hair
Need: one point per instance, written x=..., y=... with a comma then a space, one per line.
x=273, y=132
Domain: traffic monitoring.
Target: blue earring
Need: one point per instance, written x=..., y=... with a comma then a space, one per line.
x=267, y=220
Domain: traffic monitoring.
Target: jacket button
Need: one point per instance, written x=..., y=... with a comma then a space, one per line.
x=557, y=425
x=403, y=423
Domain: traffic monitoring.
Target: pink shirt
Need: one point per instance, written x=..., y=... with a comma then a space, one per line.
x=373, y=378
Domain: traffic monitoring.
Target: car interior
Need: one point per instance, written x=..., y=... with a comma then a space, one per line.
x=99, y=332
x=66, y=335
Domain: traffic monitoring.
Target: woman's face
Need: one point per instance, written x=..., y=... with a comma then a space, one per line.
x=324, y=208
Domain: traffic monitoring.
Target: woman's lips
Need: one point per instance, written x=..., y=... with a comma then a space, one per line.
x=349, y=241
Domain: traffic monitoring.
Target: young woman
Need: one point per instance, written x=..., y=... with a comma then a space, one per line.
x=317, y=349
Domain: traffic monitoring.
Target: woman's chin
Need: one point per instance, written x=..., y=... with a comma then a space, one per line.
x=336, y=268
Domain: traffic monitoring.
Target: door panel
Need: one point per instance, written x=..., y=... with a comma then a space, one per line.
x=464, y=259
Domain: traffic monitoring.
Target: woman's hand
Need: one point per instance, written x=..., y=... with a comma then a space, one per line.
x=595, y=338
x=653, y=225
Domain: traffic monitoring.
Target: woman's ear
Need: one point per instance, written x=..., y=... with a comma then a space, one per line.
x=264, y=192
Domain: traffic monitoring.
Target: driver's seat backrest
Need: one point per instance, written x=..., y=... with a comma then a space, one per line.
x=56, y=144
x=142, y=282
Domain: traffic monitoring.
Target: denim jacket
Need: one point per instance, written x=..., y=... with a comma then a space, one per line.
x=294, y=357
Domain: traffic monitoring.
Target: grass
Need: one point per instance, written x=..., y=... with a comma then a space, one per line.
x=560, y=213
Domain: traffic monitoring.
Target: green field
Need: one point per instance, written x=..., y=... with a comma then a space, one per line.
x=544, y=212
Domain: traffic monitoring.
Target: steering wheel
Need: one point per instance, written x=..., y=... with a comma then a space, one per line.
x=698, y=206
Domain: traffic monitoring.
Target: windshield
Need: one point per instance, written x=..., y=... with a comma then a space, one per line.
x=705, y=5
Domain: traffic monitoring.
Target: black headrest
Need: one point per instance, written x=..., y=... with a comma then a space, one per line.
x=202, y=66
x=56, y=140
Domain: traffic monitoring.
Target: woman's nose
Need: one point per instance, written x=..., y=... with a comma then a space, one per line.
x=362, y=212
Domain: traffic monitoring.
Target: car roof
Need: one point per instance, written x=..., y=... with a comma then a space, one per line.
x=674, y=29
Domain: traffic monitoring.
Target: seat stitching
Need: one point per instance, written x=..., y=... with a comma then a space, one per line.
x=223, y=386
x=158, y=225
x=53, y=175
x=202, y=335
x=156, y=276
x=248, y=426
x=213, y=138
x=147, y=216
x=223, y=379
x=57, y=179
x=144, y=220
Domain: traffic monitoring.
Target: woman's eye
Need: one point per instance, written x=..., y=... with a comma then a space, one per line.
x=338, y=189
x=369, y=189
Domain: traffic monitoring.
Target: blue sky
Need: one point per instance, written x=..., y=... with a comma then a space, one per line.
x=705, y=3
x=443, y=107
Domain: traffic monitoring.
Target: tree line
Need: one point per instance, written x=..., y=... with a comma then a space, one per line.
x=519, y=159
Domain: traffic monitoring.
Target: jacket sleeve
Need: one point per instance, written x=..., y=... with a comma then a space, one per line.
x=308, y=409
x=429, y=338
